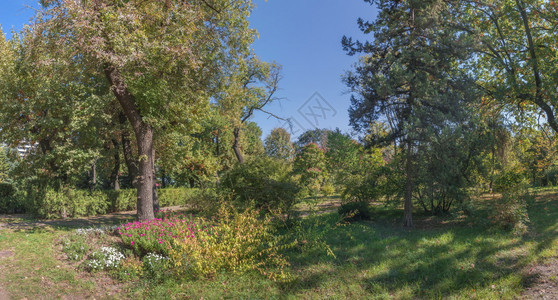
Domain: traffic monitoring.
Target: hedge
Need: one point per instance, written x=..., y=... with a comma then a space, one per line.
x=70, y=203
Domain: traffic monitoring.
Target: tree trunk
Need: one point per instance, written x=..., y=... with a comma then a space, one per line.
x=93, y=180
x=236, y=146
x=144, y=138
x=131, y=162
x=114, y=175
x=156, y=205
x=409, y=183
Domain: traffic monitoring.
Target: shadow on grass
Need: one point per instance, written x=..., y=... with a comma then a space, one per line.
x=451, y=256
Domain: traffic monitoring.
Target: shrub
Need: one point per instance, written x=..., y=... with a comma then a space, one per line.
x=510, y=211
x=328, y=190
x=149, y=237
x=177, y=196
x=71, y=203
x=264, y=182
x=355, y=210
x=509, y=180
x=10, y=201
x=131, y=268
x=310, y=165
x=238, y=242
x=6, y=190
x=155, y=265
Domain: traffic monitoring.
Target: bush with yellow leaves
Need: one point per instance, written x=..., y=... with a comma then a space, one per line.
x=238, y=242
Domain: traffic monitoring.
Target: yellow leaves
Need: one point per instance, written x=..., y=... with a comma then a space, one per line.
x=236, y=243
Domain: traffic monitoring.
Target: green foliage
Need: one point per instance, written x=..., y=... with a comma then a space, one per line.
x=76, y=246
x=447, y=165
x=310, y=165
x=317, y=136
x=156, y=265
x=4, y=165
x=264, y=182
x=239, y=242
x=343, y=156
x=368, y=181
x=6, y=190
x=510, y=210
x=355, y=210
x=131, y=269
x=278, y=144
x=509, y=180
x=71, y=203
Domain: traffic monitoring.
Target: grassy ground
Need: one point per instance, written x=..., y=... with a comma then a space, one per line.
x=455, y=257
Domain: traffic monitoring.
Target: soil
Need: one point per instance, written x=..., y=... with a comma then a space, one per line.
x=544, y=281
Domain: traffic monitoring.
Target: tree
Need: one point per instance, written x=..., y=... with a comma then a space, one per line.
x=316, y=136
x=310, y=165
x=278, y=144
x=343, y=155
x=253, y=140
x=249, y=86
x=160, y=58
x=4, y=166
x=517, y=51
x=59, y=108
x=408, y=76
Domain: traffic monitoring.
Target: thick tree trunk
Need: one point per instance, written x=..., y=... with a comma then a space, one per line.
x=236, y=146
x=144, y=138
x=114, y=175
x=409, y=185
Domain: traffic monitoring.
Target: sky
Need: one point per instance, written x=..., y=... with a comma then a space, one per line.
x=304, y=37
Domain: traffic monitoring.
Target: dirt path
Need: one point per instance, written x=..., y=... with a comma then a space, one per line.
x=545, y=281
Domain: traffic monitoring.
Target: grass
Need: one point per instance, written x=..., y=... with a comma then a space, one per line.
x=455, y=257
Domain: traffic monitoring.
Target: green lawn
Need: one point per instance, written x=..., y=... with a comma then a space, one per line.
x=453, y=257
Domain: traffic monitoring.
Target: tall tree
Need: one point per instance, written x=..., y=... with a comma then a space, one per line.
x=317, y=136
x=160, y=59
x=249, y=86
x=408, y=76
x=517, y=53
x=55, y=106
x=278, y=144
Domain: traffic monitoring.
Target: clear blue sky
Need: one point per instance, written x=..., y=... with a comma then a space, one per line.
x=304, y=36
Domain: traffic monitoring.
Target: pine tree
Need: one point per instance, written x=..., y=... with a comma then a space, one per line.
x=408, y=76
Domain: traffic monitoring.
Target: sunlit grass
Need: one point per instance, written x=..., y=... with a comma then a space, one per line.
x=454, y=257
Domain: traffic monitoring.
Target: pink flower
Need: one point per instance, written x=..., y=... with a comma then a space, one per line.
x=132, y=242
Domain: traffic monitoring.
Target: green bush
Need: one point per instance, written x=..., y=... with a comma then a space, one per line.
x=238, y=242
x=177, y=196
x=264, y=182
x=510, y=210
x=355, y=210
x=70, y=203
x=508, y=180
x=10, y=201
